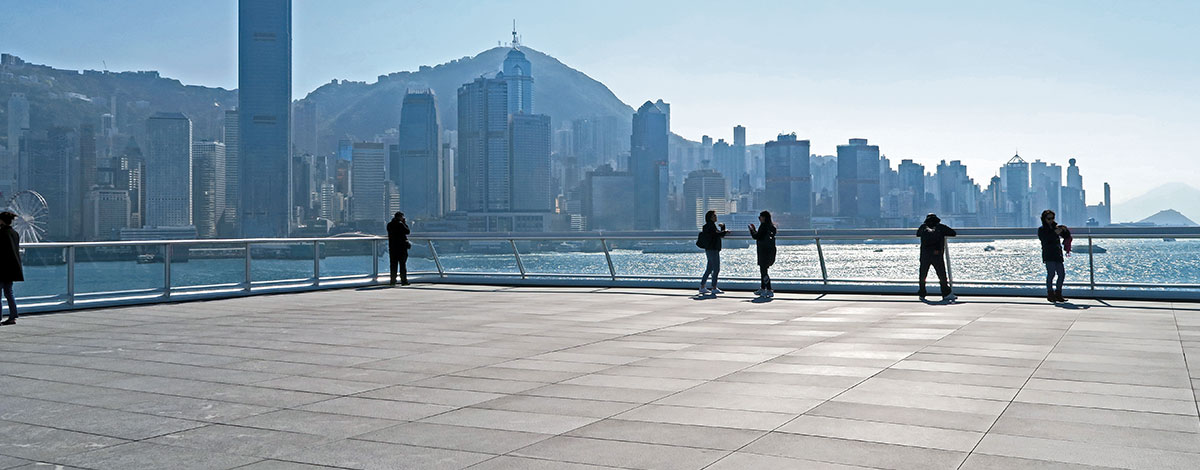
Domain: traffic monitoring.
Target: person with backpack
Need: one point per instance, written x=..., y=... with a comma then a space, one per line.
x=933, y=235
x=764, y=237
x=710, y=239
x=1054, y=238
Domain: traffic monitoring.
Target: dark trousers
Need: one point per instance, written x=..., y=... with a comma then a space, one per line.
x=8, y=295
x=1055, y=268
x=399, y=259
x=939, y=265
x=765, y=279
x=712, y=267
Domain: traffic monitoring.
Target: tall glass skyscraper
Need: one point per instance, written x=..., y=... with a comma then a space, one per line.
x=168, y=170
x=858, y=199
x=520, y=82
x=417, y=167
x=264, y=112
x=789, y=180
x=483, y=177
x=529, y=148
x=648, y=163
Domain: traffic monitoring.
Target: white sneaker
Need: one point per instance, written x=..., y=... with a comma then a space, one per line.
x=716, y=291
x=703, y=291
x=950, y=298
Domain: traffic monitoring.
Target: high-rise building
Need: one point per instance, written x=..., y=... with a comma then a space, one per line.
x=1015, y=176
x=704, y=190
x=131, y=176
x=449, y=157
x=1045, y=187
x=53, y=178
x=482, y=176
x=367, y=191
x=168, y=170
x=14, y=173
x=304, y=128
x=529, y=147
x=264, y=111
x=302, y=187
x=912, y=180
x=607, y=199
x=858, y=199
x=954, y=189
x=1072, y=202
x=739, y=159
x=648, y=164
x=417, y=168
x=789, y=181
x=208, y=187
x=233, y=189
x=519, y=76
x=109, y=212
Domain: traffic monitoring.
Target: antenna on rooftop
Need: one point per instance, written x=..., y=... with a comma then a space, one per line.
x=515, y=42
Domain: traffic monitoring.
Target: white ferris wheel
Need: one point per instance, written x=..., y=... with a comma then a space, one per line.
x=32, y=215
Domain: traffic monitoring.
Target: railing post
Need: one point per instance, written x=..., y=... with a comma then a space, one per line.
x=1091, y=266
x=249, y=279
x=436, y=261
x=375, y=260
x=946, y=253
x=316, y=263
x=612, y=271
x=517, y=254
x=821, y=259
x=166, y=270
x=70, y=275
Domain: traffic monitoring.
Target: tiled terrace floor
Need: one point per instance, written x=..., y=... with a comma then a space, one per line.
x=496, y=378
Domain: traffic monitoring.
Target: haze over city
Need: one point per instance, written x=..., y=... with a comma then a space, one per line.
x=1109, y=83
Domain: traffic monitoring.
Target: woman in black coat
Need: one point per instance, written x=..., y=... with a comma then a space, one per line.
x=711, y=234
x=10, y=263
x=764, y=237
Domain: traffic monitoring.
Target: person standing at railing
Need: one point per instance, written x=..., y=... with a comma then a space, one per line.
x=710, y=239
x=1054, y=237
x=10, y=263
x=764, y=237
x=398, y=246
x=933, y=235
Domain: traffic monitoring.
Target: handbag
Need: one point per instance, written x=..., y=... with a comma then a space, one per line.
x=701, y=241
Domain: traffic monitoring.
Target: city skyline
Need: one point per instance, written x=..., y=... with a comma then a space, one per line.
x=958, y=83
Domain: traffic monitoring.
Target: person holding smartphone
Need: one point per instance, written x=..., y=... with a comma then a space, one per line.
x=712, y=233
x=398, y=247
x=1054, y=238
x=764, y=237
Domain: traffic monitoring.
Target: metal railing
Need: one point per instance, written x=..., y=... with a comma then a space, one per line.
x=217, y=268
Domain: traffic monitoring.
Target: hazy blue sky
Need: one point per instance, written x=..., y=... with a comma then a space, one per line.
x=1111, y=83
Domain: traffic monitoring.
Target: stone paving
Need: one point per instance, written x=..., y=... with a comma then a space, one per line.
x=488, y=378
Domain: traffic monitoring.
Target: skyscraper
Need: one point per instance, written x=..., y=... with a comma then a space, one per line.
x=1074, y=206
x=15, y=173
x=789, y=180
x=131, y=177
x=304, y=128
x=168, y=170
x=858, y=183
x=229, y=219
x=1045, y=187
x=482, y=176
x=264, y=108
x=367, y=183
x=739, y=160
x=108, y=212
x=704, y=190
x=208, y=186
x=52, y=177
x=529, y=146
x=417, y=168
x=519, y=76
x=648, y=163
x=1016, y=189
x=607, y=198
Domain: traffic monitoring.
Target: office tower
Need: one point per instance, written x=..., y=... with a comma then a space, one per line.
x=739, y=160
x=14, y=172
x=51, y=176
x=131, y=177
x=326, y=211
x=302, y=187
x=704, y=190
x=108, y=134
x=1016, y=188
x=367, y=190
x=722, y=158
x=449, y=157
x=304, y=128
x=954, y=189
x=1074, y=207
x=264, y=111
x=1045, y=187
x=83, y=179
x=482, y=176
x=789, y=180
x=648, y=163
x=912, y=181
x=858, y=198
x=666, y=110
x=108, y=212
x=529, y=147
x=1107, y=205
x=208, y=187
x=417, y=168
x=168, y=170
x=607, y=198
x=519, y=76
x=229, y=219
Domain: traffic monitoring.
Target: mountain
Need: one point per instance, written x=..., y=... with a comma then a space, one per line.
x=1178, y=196
x=1169, y=217
x=362, y=110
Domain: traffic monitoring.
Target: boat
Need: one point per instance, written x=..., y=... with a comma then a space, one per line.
x=989, y=248
x=1168, y=239
x=878, y=250
x=147, y=258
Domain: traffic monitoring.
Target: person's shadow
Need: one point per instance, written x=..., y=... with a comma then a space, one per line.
x=1071, y=306
x=761, y=300
x=708, y=296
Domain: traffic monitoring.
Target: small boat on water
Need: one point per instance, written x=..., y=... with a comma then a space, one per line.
x=1168, y=239
x=989, y=248
x=147, y=258
x=878, y=250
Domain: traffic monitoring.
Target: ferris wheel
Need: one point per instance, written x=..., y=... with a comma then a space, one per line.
x=32, y=215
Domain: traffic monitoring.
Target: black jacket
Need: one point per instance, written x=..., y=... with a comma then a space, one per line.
x=397, y=235
x=713, y=236
x=1052, y=250
x=933, y=239
x=10, y=255
x=765, y=240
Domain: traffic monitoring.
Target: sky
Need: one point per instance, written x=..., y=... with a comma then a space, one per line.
x=1111, y=83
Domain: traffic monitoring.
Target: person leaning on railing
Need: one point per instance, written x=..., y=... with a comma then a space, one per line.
x=933, y=235
x=10, y=263
x=398, y=246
